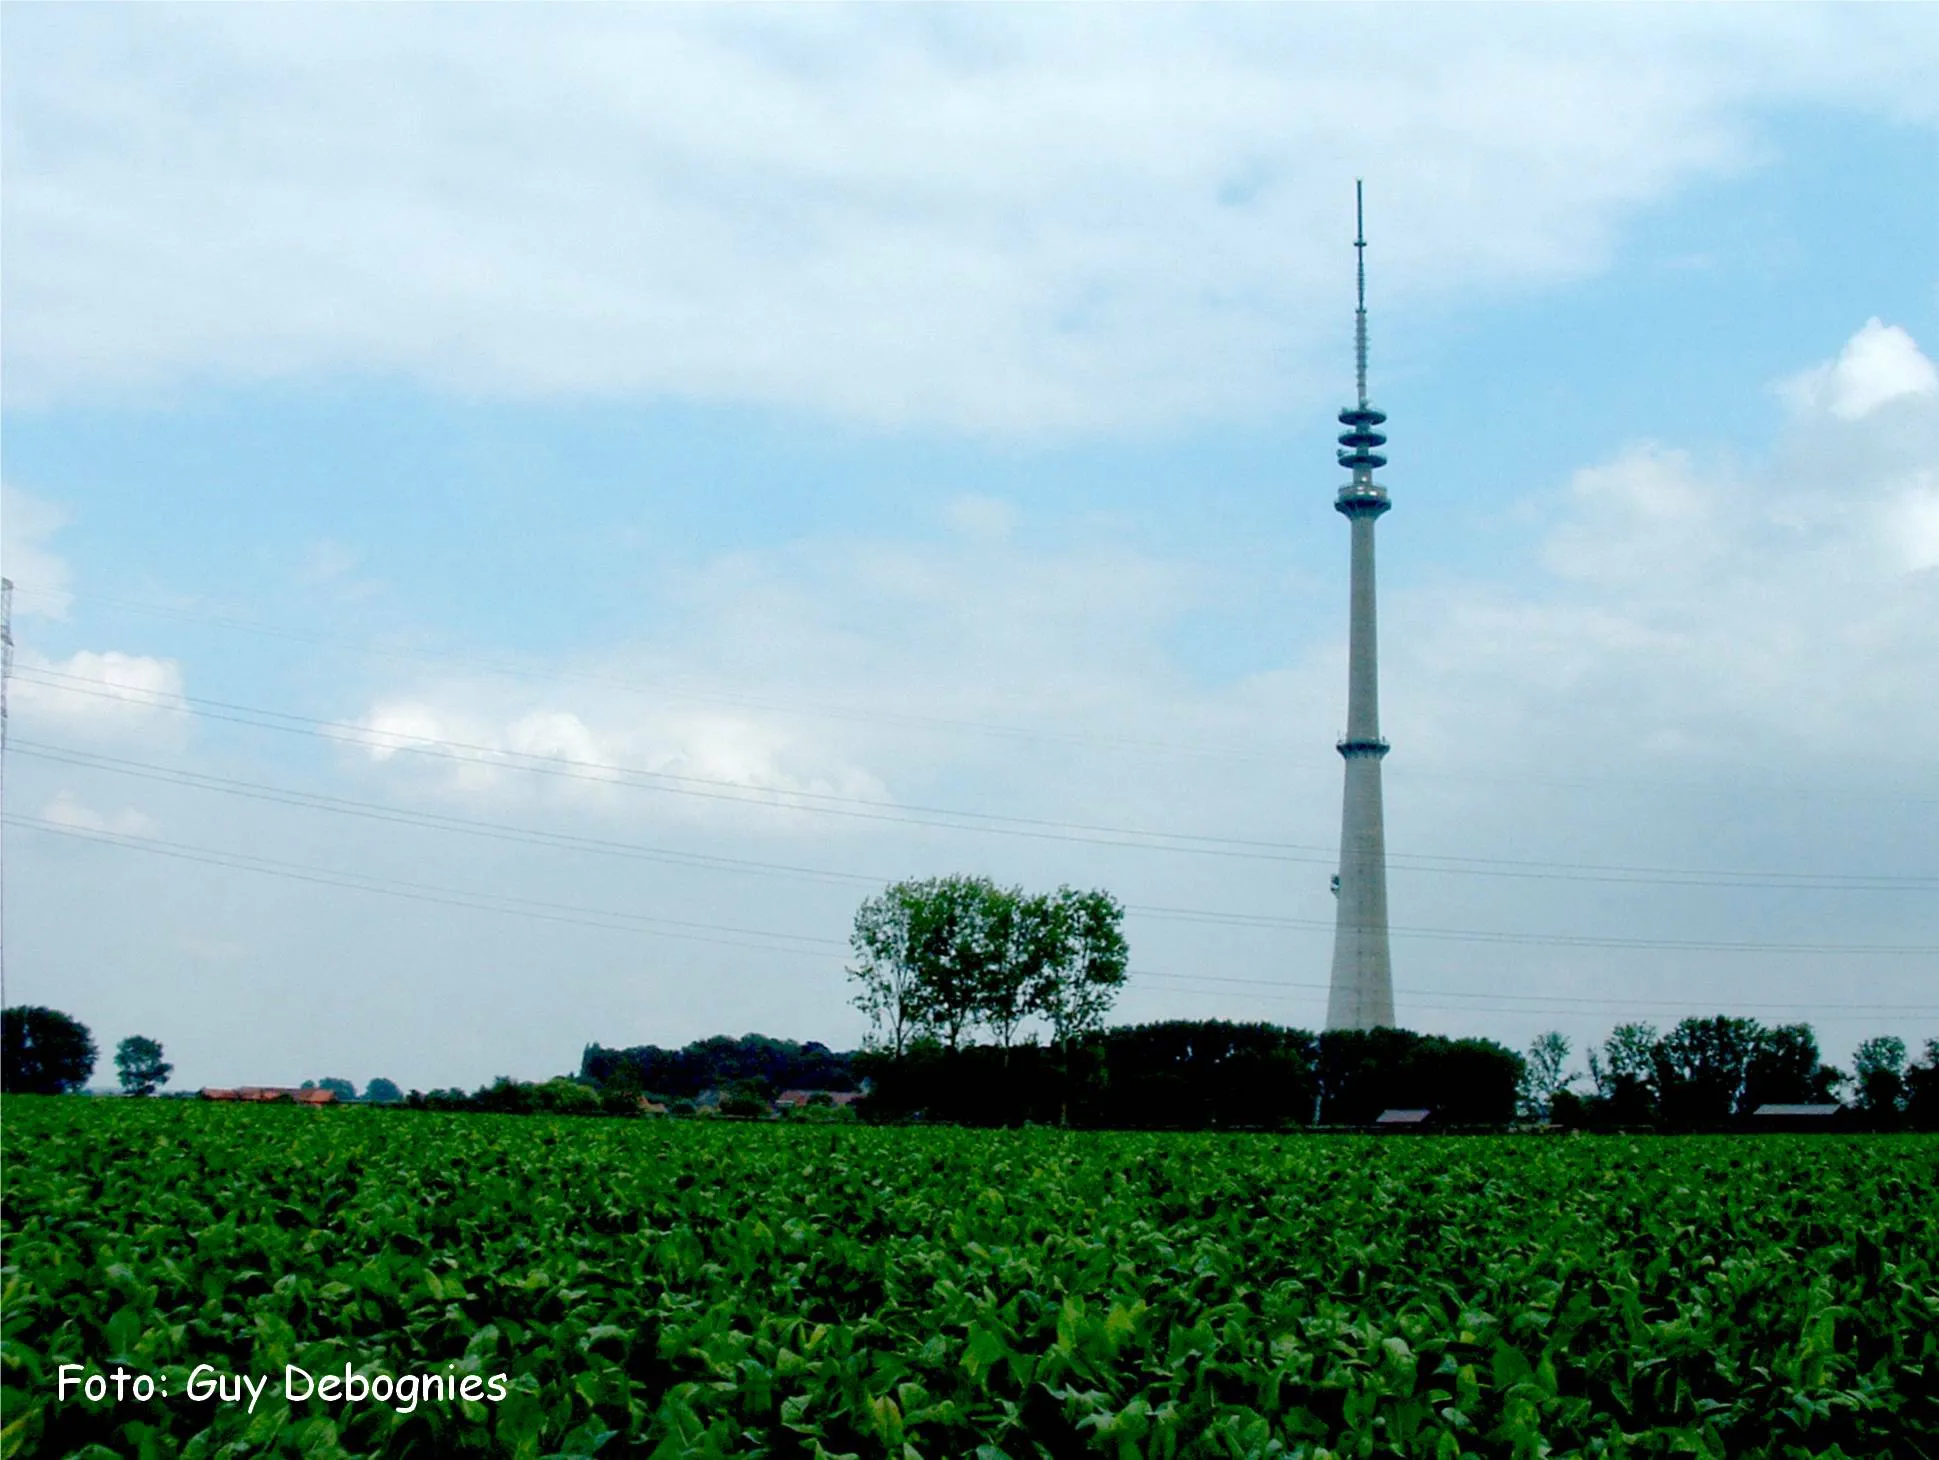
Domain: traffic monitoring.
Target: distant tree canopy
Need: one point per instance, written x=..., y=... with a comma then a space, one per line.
x=338, y=1086
x=1707, y=1072
x=709, y=1064
x=1193, y=1074
x=1546, y=1074
x=382, y=1092
x=1878, y=1071
x=43, y=1051
x=937, y=958
x=1462, y=1081
x=139, y=1063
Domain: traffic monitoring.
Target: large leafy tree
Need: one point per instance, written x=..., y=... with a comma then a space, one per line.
x=1878, y=1069
x=893, y=939
x=941, y=955
x=1031, y=936
x=381, y=1091
x=139, y=1063
x=958, y=928
x=1545, y=1072
x=1086, y=960
x=1625, y=1072
x=43, y=1051
x=1922, y=1089
x=1702, y=1067
x=1784, y=1068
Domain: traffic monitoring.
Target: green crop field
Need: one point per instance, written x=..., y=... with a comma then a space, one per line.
x=705, y=1288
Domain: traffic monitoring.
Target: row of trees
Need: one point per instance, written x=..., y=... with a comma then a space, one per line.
x=46, y=1052
x=1200, y=1074
x=753, y=1061
x=379, y=1091
x=1710, y=1071
x=939, y=958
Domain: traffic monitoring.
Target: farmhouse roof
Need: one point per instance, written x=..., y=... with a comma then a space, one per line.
x=263, y=1094
x=1403, y=1117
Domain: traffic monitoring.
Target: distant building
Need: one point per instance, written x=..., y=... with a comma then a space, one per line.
x=1797, y=1117
x=800, y=1099
x=1402, y=1119
x=270, y=1094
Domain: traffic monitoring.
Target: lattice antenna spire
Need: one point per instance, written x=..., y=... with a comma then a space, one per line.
x=1360, y=268
x=1360, y=444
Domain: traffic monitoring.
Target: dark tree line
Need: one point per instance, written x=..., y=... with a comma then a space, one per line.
x=753, y=1062
x=1712, y=1072
x=46, y=1052
x=938, y=958
x=1197, y=1074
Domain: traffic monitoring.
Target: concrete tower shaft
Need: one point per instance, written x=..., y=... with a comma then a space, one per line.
x=1361, y=992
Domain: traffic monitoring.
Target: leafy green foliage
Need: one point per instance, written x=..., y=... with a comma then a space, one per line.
x=43, y=1051
x=689, y=1289
x=1706, y=1072
x=708, y=1064
x=139, y=1064
x=1878, y=1070
x=940, y=956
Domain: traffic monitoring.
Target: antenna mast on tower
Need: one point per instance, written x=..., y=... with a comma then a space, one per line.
x=1361, y=992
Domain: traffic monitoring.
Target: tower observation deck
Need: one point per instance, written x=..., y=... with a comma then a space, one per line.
x=1361, y=993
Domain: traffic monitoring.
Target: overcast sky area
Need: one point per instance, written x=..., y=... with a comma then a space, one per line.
x=522, y=518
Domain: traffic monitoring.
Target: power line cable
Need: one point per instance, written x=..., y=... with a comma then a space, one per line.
x=1822, y=1014
x=720, y=697
x=571, y=842
x=256, y=790
x=800, y=944
x=1091, y=834
x=1547, y=1002
x=873, y=716
x=430, y=820
x=446, y=896
x=712, y=788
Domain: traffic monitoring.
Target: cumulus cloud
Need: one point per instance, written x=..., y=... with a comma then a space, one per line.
x=1914, y=525
x=1879, y=364
x=40, y=575
x=97, y=693
x=476, y=742
x=1000, y=220
x=1774, y=611
x=332, y=566
x=65, y=811
x=975, y=515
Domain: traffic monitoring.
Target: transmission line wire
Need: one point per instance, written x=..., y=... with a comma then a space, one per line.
x=788, y=799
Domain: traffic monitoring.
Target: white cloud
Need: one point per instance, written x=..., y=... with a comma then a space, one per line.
x=1914, y=525
x=1772, y=614
x=1005, y=220
x=483, y=744
x=40, y=576
x=105, y=693
x=975, y=515
x=333, y=566
x=64, y=810
x=1879, y=364
x=1636, y=518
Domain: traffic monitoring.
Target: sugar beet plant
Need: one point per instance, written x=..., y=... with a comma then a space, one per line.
x=683, y=1289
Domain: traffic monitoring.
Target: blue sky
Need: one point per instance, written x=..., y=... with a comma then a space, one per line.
x=934, y=410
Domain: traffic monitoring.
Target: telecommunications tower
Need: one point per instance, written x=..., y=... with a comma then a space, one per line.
x=1361, y=995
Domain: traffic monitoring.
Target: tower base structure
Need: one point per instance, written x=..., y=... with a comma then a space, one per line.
x=1361, y=991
